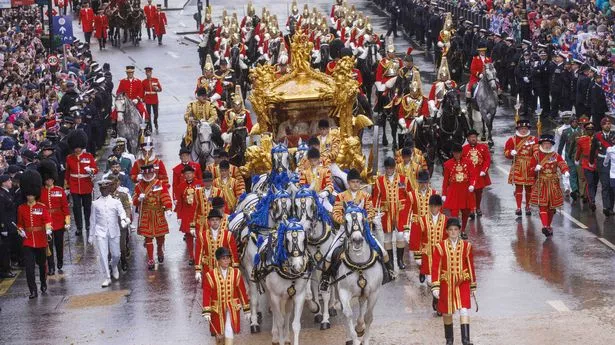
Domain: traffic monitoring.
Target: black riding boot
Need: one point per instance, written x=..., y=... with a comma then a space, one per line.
x=448, y=334
x=465, y=334
x=400, y=259
x=390, y=253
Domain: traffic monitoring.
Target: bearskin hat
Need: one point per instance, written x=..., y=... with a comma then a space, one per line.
x=77, y=138
x=31, y=183
x=48, y=170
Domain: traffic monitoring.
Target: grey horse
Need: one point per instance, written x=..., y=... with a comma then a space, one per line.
x=485, y=102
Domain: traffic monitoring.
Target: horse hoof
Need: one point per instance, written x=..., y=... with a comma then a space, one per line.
x=325, y=326
x=318, y=319
x=255, y=329
x=332, y=312
x=349, y=342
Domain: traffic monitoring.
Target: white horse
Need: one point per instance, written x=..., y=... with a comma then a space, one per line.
x=313, y=217
x=207, y=139
x=129, y=122
x=360, y=275
x=287, y=283
x=486, y=99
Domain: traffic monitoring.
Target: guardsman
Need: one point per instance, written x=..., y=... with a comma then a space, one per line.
x=56, y=201
x=86, y=19
x=108, y=217
x=224, y=294
x=444, y=38
x=336, y=10
x=250, y=13
x=34, y=225
x=238, y=116
x=186, y=206
x=458, y=186
x=588, y=169
x=151, y=87
x=80, y=170
x=454, y=280
x=124, y=196
x=201, y=109
x=149, y=157
x=602, y=141
x=152, y=198
x=363, y=40
x=231, y=188
x=150, y=13
x=282, y=68
x=547, y=193
x=316, y=176
x=392, y=196
x=210, y=236
x=101, y=26
x=130, y=86
x=480, y=157
x=178, y=171
x=413, y=105
x=386, y=71
x=477, y=68
x=520, y=149
x=440, y=87
x=430, y=231
x=160, y=23
x=209, y=83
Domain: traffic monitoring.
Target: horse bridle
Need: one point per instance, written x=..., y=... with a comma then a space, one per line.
x=285, y=212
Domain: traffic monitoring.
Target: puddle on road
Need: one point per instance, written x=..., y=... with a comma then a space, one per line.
x=99, y=299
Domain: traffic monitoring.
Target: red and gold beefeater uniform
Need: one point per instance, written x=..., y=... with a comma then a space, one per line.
x=392, y=195
x=459, y=175
x=159, y=168
x=79, y=181
x=481, y=160
x=359, y=198
x=224, y=293
x=422, y=242
x=34, y=219
x=57, y=204
x=547, y=191
x=231, y=191
x=317, y=179
x=207, y=243
x=152, y=222
x=520, y=172
x=452, y=272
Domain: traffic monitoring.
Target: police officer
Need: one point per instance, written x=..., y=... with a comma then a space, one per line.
x=433, y=28
x=597, y=100
x=557, y=84
x=524, y=72
x=582, y=92
x=540, y=81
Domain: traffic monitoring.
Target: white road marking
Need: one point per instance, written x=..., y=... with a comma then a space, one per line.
x=173, y=55
x=559, y=306
x=607, y=243
x=574, y=220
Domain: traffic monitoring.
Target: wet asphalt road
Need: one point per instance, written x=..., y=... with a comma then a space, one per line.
x=521, y=276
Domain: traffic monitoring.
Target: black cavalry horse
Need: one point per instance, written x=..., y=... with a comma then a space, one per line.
x=368, y=62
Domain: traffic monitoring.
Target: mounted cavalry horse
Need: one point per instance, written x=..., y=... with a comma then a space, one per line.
x=206, y=137
x=130, y=124
x=451, y=124
x=484, y=103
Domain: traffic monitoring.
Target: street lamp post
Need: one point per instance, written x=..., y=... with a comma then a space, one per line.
x=50, y=18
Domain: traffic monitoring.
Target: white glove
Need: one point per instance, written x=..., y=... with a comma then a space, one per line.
x=324, y=194
x=576, y=162
x=21, y=233
x=482, y=173
x=179, y=221
x=436, y=293
x=193, y=232
x=88, y=170
x=4, y=233
x=168, y=213
x=407, y=236
x=139, y=177
x=480, y=76
x=67, y=192
x=141, y=197
x=538, y=167
x=197, y=276
x=526, y=79
x=566, y=181
x=207, y=317
x=443, y=198
x=471, y=189
x=419, y=262
x=49, y=232
x=246, y=316
x=513, y=153
x=124, y=222
x=91, y=240
x=67, y=226
x=402, y=123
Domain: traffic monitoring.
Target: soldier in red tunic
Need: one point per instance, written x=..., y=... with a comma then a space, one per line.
x=211, y=236
x=480, y=157
x=458, y=186
x=584, y=143
x=520, y=149
x=454, y=280
x=152, y=198
x=186, y=206
x=392, y=196
x=151, y=87
x=547, y=193
x=101, y=26
x=477, y=68
x=55, y=199
x=160, y=23
x=80, y=169
x=147, y=152
x=430, y=232
x=34, y=224
x=178, y=171
x=86, y=19
x=224, y=294
x=130, y=86
x=150, y=11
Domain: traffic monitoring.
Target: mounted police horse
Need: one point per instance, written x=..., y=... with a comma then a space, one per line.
x=485, y=102
x=130, y=124
x=285, y=266
x=452, y=124
x=360, y=274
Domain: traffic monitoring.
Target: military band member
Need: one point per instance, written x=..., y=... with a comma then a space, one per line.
x=210, y=236
x=224, y=294
x=148, y=157
x=151, y=87
x=178, y=171
x=392, y=196
x=108, y=216
x=480, y=157
x=458, y=186
x=130, y=86
x=186, y=206
x=230, y=187
x=56, y=201
x=588, y=169
x=520, y=149
x=200, y=110
x=431, y=230
x=547, y=193
x=153, y=201
x=34, y=225
x=454, y=280
x=80, y=170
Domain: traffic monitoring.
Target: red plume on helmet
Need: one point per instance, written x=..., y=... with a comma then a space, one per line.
x=409, y=51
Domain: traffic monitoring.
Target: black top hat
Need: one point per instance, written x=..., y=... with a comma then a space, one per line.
x=213, y=213
x=217, y=202
x=389, y=162
x=130, y=68
x=453, y=222
x=222, y=252
x=456, y=147
x=148, y=68
x=472, y=132
x=184, y=150
x=208, y=176
x=201, y=91
x=224, y=165
x=313, y=141
x=406, y=151
x=323, y=123
x=353, y=174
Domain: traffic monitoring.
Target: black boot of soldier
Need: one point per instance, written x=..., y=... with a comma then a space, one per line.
x=448, y=334
x=465, y=334
x=400, y=259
